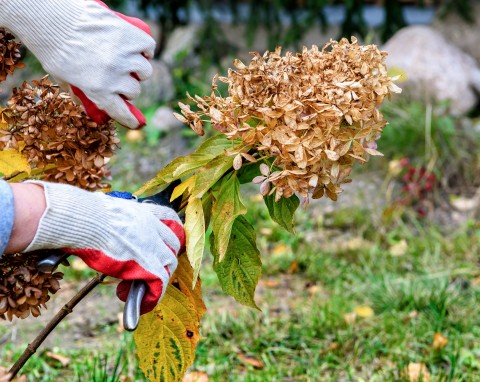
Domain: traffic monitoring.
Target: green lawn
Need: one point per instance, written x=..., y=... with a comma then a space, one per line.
x=306, y=330
x=408, y=280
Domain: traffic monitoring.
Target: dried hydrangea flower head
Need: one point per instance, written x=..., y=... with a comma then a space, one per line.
x=9, y=54
x=314, y=113
x=23, y=288
x=43, y=122
x=62, y=144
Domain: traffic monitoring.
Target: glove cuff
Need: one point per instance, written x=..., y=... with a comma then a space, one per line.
x=67, y=220
x=36, y=22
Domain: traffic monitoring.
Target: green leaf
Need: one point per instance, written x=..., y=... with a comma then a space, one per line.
x=226, y=209
x=214, y=146
x=211, y=173
x=282, y=212
x=187, y=164
x=241, y=268
x=195, y=234
x=182, y=187
x=248, y=172
x=207, y=202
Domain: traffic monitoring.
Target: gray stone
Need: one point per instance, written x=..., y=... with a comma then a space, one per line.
x=436, y=69
x=164, y=120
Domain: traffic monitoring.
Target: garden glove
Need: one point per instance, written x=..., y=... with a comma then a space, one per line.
x=121, y=238
x=98, y=54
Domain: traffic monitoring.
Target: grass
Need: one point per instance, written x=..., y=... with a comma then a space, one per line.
x=341, y=259
x=303, y=332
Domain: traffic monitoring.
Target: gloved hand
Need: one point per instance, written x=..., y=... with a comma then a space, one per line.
x=121, y=238
x=100, y=55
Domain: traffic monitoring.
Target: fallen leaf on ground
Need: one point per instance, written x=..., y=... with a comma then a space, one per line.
x=293, y=267
x=196, y=376
x=256, y=363
x=280, y=249
x=417, y=372
x=364, y=311
x=64, y=361
x=410, y=316
x=399, y=249
x=270, y=283
x=465, y=204
x=265, y=231
x=5, y=377
x=120, y=327
x=476, y=282
x=313, y=289
x=439, y=341
x=350, y=318
x=333, y=346
x=357, y=243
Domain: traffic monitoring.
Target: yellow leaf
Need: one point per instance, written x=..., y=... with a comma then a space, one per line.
x=12, y=161
x=182, y=279
x=182, y=187
x=364, y=311
x=439, y=341
x=34, y=172
x=195, y=234
x=167, y=337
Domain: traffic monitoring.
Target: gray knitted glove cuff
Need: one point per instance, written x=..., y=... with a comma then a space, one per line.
x=72, y=218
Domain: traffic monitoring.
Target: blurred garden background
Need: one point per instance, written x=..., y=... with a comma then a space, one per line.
x=382, y=285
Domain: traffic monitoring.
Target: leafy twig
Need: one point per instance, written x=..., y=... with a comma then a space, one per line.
x=66, y=309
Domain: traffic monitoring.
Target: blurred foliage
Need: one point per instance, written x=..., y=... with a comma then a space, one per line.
x=285, y=21
x=448, y=146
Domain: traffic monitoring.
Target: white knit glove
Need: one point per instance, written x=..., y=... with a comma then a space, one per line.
x=121, y=238
x=99, y=54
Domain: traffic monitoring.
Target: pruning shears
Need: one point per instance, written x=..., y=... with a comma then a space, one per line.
x=131, y=311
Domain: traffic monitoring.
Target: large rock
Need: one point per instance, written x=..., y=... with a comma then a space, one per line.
x=163, y=120
x=436, y=69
